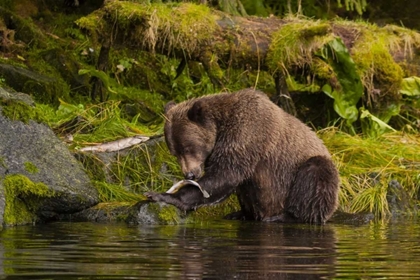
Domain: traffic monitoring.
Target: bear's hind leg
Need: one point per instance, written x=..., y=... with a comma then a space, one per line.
x=238, y=215
x=313, y=197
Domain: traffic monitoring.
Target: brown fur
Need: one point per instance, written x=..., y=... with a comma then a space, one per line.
x=279, y=168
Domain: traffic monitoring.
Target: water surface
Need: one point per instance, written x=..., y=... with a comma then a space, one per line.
x=211, y=250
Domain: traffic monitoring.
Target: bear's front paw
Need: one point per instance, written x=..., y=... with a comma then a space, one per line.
x=153, y=196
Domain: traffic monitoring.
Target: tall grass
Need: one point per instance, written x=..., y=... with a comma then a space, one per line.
x=367, y=165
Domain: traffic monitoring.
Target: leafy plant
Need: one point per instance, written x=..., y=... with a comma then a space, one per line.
x=350, y=88
x=410, y=86
x=373, y=126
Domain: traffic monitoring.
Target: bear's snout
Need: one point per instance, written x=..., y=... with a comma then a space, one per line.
x=189, y=176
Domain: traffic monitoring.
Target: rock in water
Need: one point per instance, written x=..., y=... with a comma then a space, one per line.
x=147, y=213
x=31, y=153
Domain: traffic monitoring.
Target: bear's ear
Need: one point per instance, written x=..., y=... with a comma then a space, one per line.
x=196, y=112
x=168, y=106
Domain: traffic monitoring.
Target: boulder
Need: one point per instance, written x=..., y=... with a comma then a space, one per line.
x=150, y=213
x=141, y=213
x=44, y=88
x=399, y=200
x=39, y=177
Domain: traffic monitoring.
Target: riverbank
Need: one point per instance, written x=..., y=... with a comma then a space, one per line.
x=89, y=90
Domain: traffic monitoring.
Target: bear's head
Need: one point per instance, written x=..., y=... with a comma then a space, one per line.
x=190, y=133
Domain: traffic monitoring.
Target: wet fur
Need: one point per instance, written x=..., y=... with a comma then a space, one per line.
x=242, y=142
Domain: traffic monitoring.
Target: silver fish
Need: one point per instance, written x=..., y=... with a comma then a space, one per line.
x=183, y=183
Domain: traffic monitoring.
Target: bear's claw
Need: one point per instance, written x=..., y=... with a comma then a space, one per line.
x=153, y=196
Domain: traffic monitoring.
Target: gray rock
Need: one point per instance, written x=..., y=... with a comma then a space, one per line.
x=33, y=151
x=44, y=88
x=18, y=96
x=399, y=201
x=100, y=213
x=142, y=213
x=151, y=213
x=355, y=219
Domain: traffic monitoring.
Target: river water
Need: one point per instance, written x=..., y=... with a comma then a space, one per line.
x=211, y=250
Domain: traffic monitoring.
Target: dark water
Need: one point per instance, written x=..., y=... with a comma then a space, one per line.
x=211, y=250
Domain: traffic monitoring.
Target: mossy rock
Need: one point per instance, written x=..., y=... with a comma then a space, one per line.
x=355, y=219
x=400, y=202
x=18, y=106
x=42, y=88
x=181, y=27
x=26, y=31
x=151, y=213
x=68, y=68
x=10, y=94
x=141, y=213
x=101, y=213
x=31, y=150
x=24, y=199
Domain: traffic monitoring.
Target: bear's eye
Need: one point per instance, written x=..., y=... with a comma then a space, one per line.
x=187, y=150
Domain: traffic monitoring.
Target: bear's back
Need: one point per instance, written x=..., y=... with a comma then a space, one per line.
x=274, y=128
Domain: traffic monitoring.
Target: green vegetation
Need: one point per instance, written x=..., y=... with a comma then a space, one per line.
x=31, y=168
x=96, y=123
x=18, y=110
x=217, y=211
x=183, y=26
x=296, y=42
x=168, y=214
x=2, y=163
x=367, y=165
x=110, y=192
x=350, y=68
x=365, y=82
x=312, y=8
x=23, y=198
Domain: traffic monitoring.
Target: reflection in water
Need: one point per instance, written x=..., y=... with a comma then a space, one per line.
x=260, y=251
x=213, y=250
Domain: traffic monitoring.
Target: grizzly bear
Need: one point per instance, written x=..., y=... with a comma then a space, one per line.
x=242, y=142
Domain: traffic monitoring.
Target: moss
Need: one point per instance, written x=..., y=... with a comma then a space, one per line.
x=2, y=163
x=168, y=214
x=18, y=110
x=114, y=211
x=210, y=62
x=8, y=3
x=322, y=70
x=296, y=42
x=23, y=198
x=31, y=168
x=213, y=212
x=380, y=74
x=28, y=32
x=50, y=87
x=182, y=26
x=149, y=73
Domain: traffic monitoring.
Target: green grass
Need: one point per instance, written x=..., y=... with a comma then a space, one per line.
x=115, y=193
x=367, y=165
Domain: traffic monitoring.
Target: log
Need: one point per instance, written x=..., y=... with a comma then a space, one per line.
x=216, y=39
x=289, y=47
